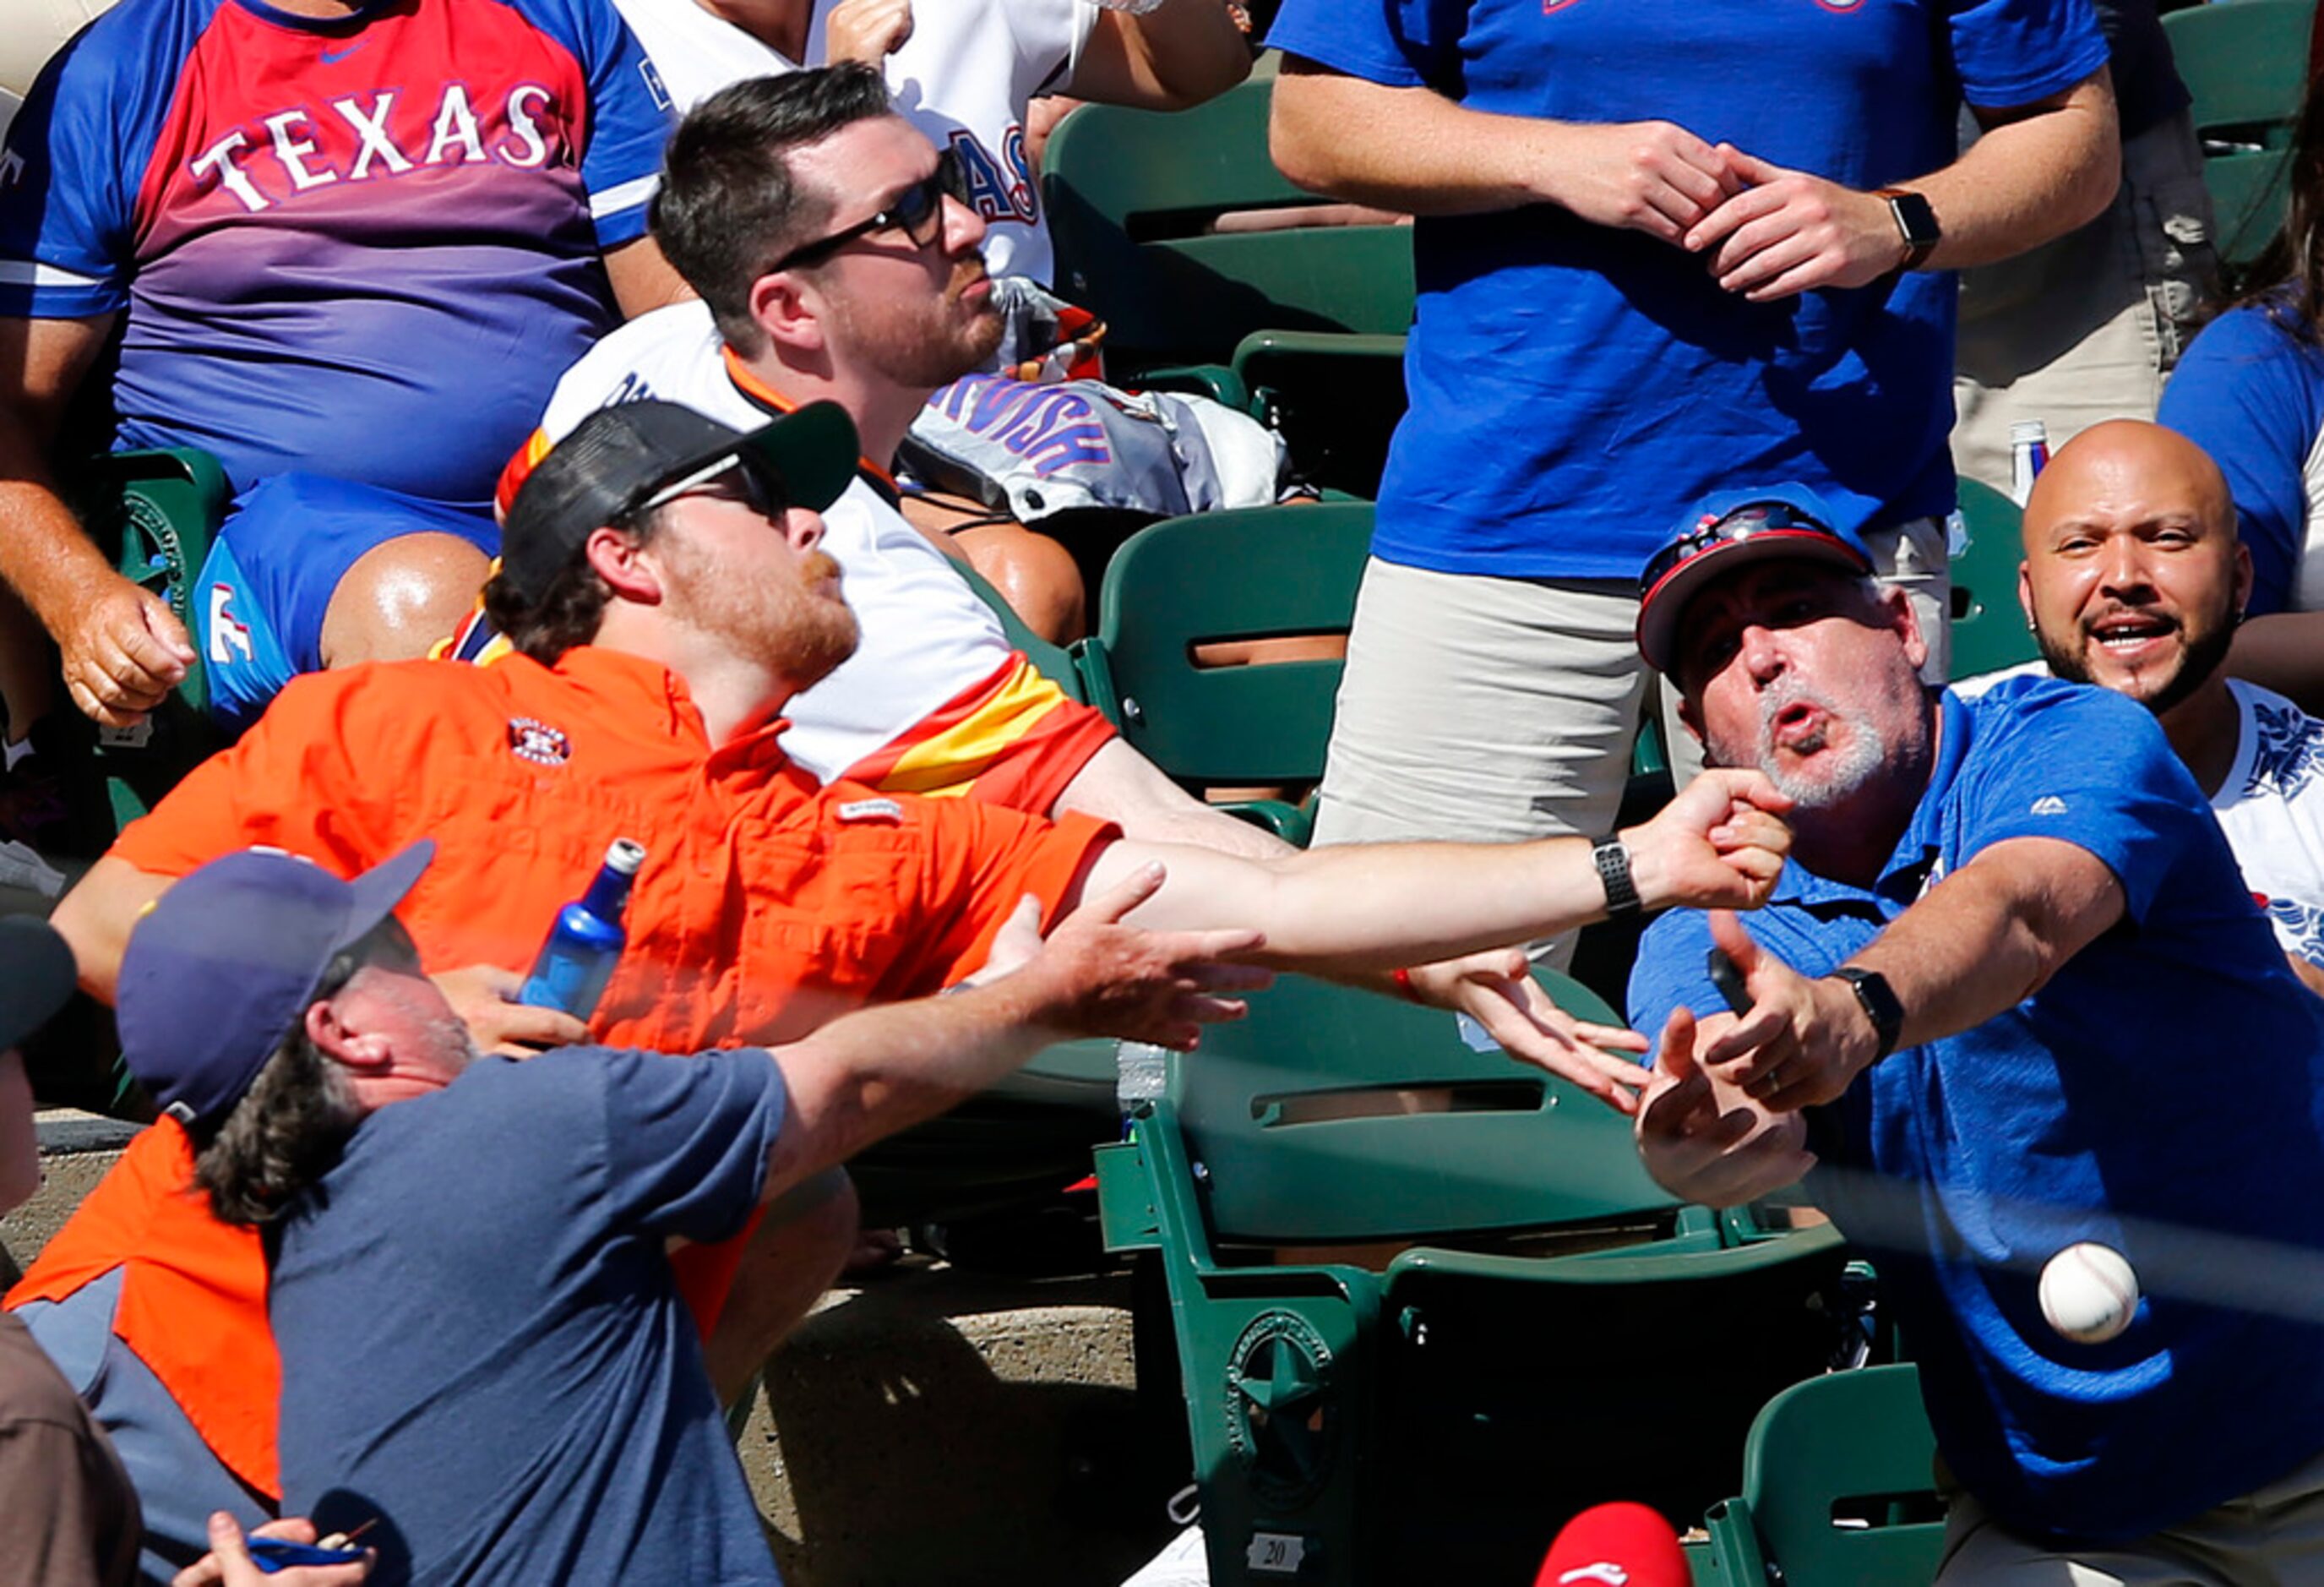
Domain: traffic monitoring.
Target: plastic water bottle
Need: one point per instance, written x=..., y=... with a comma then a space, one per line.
x=2029, y=455
x=1140, y=1072
x=587, y=939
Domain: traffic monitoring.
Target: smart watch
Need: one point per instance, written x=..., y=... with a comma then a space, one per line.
x=1880, y=1004
x=1916, y=222
x=1613, y=860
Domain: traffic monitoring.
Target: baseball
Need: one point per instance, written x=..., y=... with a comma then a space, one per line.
x=2089, y=1292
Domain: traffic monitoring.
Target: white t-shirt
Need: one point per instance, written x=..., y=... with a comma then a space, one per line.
x=927, y=635
x=964, y=77
x=2272, y=809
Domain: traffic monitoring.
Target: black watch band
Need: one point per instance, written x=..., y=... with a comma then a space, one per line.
x=1612, y=858
x=1916, y=224
x=1878, y=1000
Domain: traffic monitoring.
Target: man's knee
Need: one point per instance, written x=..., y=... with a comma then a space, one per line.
x=1037, y=574
x=400, y=597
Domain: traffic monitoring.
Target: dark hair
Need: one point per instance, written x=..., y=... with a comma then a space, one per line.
x=288, y=1127
x=727, y=206
x=2287, y=280
x=569, y=612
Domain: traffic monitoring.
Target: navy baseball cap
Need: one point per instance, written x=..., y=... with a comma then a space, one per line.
x=617, y=458
x=36, y=976
x=1728, y=530
x=224, y=963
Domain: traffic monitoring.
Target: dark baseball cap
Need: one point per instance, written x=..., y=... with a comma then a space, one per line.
x=224, y=965
x=1728, y=530
x=36, y=976
x=616, y=459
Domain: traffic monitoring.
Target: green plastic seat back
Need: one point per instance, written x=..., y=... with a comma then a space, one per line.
x=1129, y=193
x=154, y=513
x=1332, y=1114
x=1845, y=1447
x=1989, y=626
x=2246, y=64
x=1243, y=573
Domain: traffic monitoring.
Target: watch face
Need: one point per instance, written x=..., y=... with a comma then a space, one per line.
x=1916, y=220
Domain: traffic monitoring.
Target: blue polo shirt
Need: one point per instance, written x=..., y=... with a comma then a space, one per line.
x=2161, y=1093
x=1574, y=387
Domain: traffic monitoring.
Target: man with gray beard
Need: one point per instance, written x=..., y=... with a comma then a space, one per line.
x=1964, y=1021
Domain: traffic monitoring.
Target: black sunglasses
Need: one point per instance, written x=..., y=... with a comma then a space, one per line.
x=918, y=212
x=1753, y=518
x=727, y=475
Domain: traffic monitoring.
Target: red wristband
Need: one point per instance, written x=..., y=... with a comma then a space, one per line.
x=1403, y=979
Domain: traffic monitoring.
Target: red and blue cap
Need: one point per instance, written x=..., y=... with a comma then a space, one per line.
x=224, y=965
x=1728, y=530
x=1617, y=1544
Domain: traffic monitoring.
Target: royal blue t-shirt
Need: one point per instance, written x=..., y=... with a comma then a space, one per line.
x=2252, y=395
x=2161, y=1095
x=481, y=1344
x=1574, y=387
x=365, y=247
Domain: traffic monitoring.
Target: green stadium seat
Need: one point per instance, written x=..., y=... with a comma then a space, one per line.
x=1988, y=625
x=1838, y=1488
x=1130, y=196
x=2245, y=63
x=1434, y=1407
x=1255, y=573
x=154, y=514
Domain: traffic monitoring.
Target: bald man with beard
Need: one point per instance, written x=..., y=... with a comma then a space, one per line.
x=2134, y=580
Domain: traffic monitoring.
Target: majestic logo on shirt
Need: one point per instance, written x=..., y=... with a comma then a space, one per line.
x=1605, y=1570
x=537, y=743
x=361, y=137
x=2049, y=804
x=1002, y=188
x=891, y=810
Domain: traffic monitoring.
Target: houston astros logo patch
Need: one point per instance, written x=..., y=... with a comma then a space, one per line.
x=539, y=742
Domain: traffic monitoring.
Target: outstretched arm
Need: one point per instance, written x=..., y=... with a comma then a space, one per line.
x=1984, y=939
x=1344, y=910
x=880, y=1070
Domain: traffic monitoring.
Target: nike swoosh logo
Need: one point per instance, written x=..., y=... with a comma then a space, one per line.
x=329, y=58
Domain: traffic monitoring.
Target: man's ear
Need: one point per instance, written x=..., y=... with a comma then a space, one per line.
x=788, y=312
x=1691, y=718
x=342, y=1038
x=2025, y=592
x=1905, y=618
x=2243, y=579
x=618, y=558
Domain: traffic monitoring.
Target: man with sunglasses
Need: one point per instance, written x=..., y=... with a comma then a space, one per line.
x=2011, y=996
x=663, y=580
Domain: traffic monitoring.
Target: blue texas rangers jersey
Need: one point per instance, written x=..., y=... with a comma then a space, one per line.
x=364, y=246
